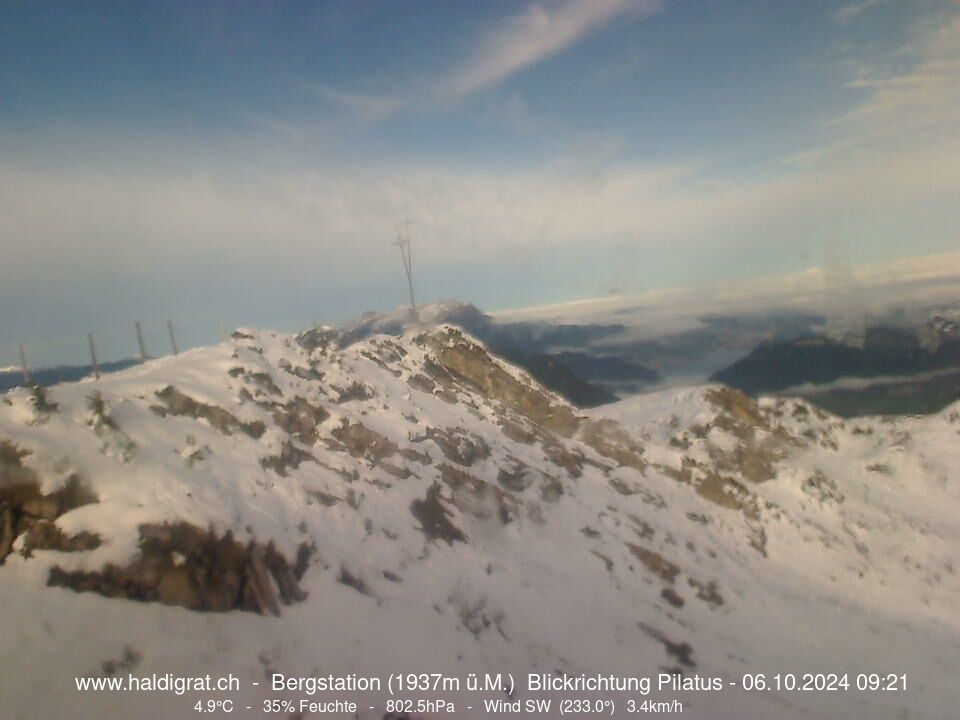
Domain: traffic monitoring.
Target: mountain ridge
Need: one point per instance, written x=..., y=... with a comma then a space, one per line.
x=420, y=485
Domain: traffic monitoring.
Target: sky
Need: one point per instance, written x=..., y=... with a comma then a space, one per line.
x=248, y=161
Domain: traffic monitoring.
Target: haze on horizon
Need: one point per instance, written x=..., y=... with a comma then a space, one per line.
x=248, y=161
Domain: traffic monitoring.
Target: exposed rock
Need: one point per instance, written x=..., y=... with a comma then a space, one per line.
x=707, y=592
x=355, y=391
x=472, y=364
x=458, y=445
x=179, y=404
x=655, y=563
x=681, y=651
x=517, y=479
x=672, y=597
x=361, y=441
x=319, y=338
x=737, y=405
x=262, y=381
x=23, y=507
x=290, y=457
x=182, y=565
x=355, y=581
x=435, y=518
x=477, y=497
x=612, y=441
x=131, y=658
x=45, y=535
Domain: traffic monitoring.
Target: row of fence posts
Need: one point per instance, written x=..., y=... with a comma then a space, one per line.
x=28, y=379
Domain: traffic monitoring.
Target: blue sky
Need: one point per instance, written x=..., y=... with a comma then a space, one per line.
x=248, y=161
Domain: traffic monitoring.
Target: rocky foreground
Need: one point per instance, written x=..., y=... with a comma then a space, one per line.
x=307, y=505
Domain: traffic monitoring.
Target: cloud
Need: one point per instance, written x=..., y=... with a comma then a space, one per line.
x=537, y=33
x=517, y=42
x=370, y=108
x=908, y=100
x=849, y=12
x=131, y=218
x=923, y=98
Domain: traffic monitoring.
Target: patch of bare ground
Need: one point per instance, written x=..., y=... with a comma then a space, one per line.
x=708, y=592
x=673, y=597
x=655, y=563
x=289, y=457
x=821, y=487
x=319, y=338
x=477, y=497
x=304, y=373
x=346, y=577
x=434, y=517
x=737, y=405
x=105, y=427
x=607, y=562
x=522, y=430
x=361, y=441
x=611, y=441
x=355, y=391
x=299, y=418
x=682, y=652
x=262, y=382
x=458, y=445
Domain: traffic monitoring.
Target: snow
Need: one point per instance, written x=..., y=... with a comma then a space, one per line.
x=858, y=573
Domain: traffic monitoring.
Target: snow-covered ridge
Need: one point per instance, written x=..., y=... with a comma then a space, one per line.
x=396, y=489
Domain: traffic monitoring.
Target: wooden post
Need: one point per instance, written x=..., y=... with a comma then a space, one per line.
x=223, y=331
x=93, y=356
x=23, y=366
x=173, y=340
x=143, y=348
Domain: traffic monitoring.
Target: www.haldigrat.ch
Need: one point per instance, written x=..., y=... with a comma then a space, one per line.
x=165, y=682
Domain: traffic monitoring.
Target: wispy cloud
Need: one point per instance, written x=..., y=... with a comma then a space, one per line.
x=537, y=33
x=910, y=100
x=517, y=42
x=851, y=11
x=370, y=108
x=923, y=98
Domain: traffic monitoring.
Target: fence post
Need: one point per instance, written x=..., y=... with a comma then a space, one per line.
x=93, y=356
x=23, y=366
x=223, y=331
x=173, y=340
x=143, y=348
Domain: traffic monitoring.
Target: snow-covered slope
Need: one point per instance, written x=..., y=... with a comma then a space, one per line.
x=414, y=504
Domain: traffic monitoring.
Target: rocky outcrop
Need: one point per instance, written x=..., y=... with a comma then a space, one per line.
x=177, y=403
x=181, y=564
x=24, y=509
x=469, y=362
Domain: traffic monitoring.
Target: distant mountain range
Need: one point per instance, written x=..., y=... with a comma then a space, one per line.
x=13, y=377
x=887, y=370
x=907, y=361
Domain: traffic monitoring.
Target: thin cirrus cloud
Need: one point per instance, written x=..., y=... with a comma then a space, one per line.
x=849, y=12
x=913, y=105
x=370, y=108
x=537, y=33
x=519, y=42
x=924, y=98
